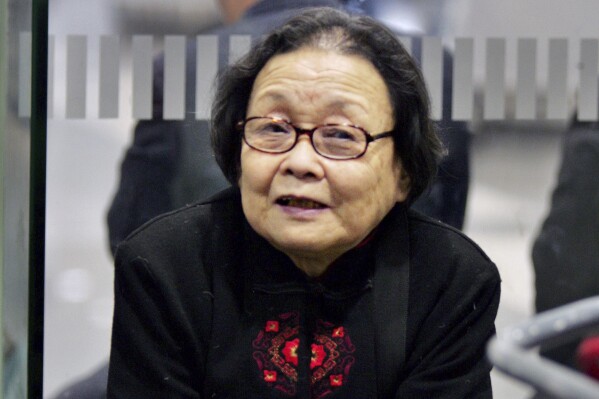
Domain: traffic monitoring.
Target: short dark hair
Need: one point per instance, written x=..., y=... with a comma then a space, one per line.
x=415, y=139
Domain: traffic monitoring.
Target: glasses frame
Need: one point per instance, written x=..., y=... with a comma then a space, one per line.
x=310, y=132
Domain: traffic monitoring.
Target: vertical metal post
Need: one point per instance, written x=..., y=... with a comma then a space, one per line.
x=37, y=197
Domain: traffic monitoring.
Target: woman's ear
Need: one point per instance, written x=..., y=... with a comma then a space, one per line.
x=403, y=185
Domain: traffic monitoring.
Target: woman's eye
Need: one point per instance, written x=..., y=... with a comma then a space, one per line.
x=338, y=134
x=275, y=128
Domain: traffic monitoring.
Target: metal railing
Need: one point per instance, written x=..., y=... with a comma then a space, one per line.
x=512, y=350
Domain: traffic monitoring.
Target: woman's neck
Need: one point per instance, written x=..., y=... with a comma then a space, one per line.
x=312, y=267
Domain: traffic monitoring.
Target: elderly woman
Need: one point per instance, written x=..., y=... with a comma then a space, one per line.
x=310, y=278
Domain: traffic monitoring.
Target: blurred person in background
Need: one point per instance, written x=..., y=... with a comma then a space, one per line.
x=565, y=253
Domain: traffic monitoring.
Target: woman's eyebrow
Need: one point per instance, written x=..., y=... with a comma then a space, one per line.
x=273, y=95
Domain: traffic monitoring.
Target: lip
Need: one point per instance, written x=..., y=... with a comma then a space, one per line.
x=299, y=201
x=301, y=213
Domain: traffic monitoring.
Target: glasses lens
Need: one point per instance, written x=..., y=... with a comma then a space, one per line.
x=340, y=142
x=269, y=135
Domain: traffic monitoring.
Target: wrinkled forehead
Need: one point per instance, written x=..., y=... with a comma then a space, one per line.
x=321, y=78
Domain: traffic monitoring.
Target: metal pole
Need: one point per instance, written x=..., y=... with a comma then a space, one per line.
x=37, y=198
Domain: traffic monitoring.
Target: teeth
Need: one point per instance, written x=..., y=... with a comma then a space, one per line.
x=301, y=203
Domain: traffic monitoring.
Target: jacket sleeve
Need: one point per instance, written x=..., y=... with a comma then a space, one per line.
x=157, y=350
x=448, y=343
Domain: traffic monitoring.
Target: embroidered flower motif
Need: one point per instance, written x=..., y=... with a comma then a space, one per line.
x=338, y=360
x=338, y=332
x=336, y=380
x=269, y=345
x=276, y=354
x=318, y=355
x=290, y=351
x=270, y=375
x=272, y=326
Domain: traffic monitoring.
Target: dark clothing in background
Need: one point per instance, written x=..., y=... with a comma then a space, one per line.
x=194, y=319
x=566, y=252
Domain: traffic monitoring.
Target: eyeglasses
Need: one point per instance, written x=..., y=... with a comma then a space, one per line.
x=333, y=141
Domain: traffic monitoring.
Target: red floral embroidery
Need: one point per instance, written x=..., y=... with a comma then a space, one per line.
x=272, y=326
x=290, y=351
x=338, y=332
x=338, y=360
x=336, y=380
x=269, y=346
x=318, y=355
x=270, y=375
x=276, y=354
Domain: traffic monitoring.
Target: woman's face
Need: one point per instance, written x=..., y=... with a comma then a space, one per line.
x=312, y=208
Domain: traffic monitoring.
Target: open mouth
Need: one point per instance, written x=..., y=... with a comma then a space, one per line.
x=300, y=203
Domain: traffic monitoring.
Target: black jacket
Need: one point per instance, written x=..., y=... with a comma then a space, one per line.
x=205, y=308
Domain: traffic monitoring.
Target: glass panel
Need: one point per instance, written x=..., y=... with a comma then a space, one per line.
x=15, y=73
x=516, y=83
x=100, y=83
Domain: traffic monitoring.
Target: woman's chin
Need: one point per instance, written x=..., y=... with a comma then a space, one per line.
x=304, y=249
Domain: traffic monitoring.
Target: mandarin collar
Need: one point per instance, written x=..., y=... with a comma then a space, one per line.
x=271, y=271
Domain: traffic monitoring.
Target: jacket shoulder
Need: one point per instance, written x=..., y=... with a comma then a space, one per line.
x=197, y=222
x=431, y=232
x=445, y=254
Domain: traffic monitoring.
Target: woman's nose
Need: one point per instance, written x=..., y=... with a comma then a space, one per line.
x=303, y=161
